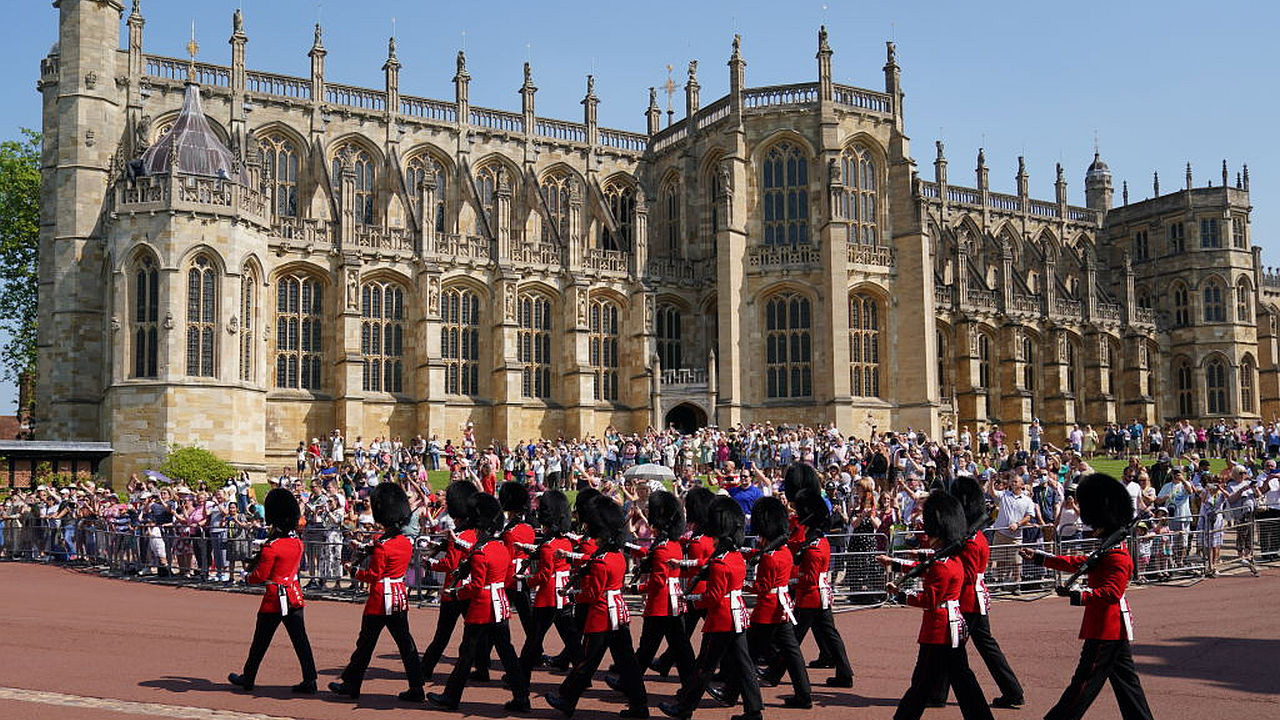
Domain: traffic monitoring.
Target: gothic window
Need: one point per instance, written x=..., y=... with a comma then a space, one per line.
x=1073, y=365
x=984, y=361
x=556, y=190
x=1244, y=301
x=533, y=344
x=201, y=317
x=488, y=182
x=788, y=347
x=717, y=191
x=1028, y=364
x=1177, y=238
x=786, y=195
x=460, y=341
x=1237, y=233
x=1215, y=307
x=248, y=323
x=1246, y=385
x=1210, y=237
x=864, y=345
x=1215, y=385
x=860, y=198
x=669, y=337
x=1181, y=306
x=280, y=174
x=671, y=219
x=362, y=166
x=1140, y=245
x=1185, y=378
x=1104, y=359
x=944, y=384
x=146, y=318
x=603, y=349
x=382, y=336
x=299, y=323
x=419, y=170
x=621, y=201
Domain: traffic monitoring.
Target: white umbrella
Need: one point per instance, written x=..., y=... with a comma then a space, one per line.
x=649, y=471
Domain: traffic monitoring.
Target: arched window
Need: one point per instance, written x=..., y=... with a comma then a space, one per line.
x=420, y=170
x=1185, y=378
x=1177, y=238
x=248, y=323
x=488, y=181
x=669, y=337
x=460, y=341
x=382, y=336
x=984, y=361
x=299, y=323
x=1108, y=368
x=786, y=195
x=1073, y=364
x=1244, y=301
x=620, y=199
x=280, y=174
x=1028, y=364
x=1215, y=307
x=557, y=187
x=1215, y=386
x=146, y=318
x=362, y=165
x=859, y=202
x=202, y=292
x=716, y=185
x=1181, y=306
x=1246, y=385
x=864, y=345
x=603, y=349
x=944, y=355
x=533, y=344
x=788, y=347
x=671, y=219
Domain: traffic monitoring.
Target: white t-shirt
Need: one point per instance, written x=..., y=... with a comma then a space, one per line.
x=1014, y=508
x=1135, y=495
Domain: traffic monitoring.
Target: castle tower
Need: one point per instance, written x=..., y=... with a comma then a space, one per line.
x=1097, y=185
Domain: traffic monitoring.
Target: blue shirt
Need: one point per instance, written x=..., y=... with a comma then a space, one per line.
x=746, y=496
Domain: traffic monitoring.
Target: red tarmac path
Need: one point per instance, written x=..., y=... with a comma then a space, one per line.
x=75, y=646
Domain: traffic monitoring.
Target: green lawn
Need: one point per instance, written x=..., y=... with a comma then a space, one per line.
x=1116, y=468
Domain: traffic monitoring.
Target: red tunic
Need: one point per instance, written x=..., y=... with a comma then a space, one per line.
x=278, y=568
x=813, y=589
x=974, y=597
x=1106, y=611
x=773, y=596
x=518, y=533
x=552, y=574
x=699, y=548
x=587, y=546
x=453, y=554
x=385, y=574
x=940, y=597
x=486, y=585
x=601, y=593
x=726, y=611
x=662, y=588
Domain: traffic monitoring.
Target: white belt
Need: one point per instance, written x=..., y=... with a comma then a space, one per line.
x=498, y=597
x=984, y=595
x=561, y=579
x=954, y=621
x=1126, y=617
x=784, y=602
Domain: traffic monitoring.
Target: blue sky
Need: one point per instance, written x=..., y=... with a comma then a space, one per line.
x=1161, y=83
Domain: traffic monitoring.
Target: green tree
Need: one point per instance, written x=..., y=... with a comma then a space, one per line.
x=19, y=251
x=196, y=465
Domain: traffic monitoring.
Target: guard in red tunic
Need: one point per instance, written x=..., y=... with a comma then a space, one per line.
x=659, y=583
x=772, y=633
x=584, y=546
x=1107, y=628
x=388, y=603
x=517, y=535
x=724, y=644
x=698, y=549
x=487, y=568
x=277, y=567
x=456, y=499
x=607, y=621
x=547, y=580
x=942, y=657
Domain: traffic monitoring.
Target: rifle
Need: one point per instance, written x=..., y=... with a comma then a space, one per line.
x=921, y=567
x=1108, y=543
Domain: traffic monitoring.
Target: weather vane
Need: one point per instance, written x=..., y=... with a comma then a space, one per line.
x=670, y=87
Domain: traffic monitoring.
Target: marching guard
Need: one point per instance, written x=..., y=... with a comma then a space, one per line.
x=388, y=603
x=1107, y=627
x=773, y=619
x=549, y=577
x=517, y=535
x=277, y=566
x=457, y=499
x=698, y=549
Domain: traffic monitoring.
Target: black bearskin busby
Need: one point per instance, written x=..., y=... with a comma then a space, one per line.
x=769, y=518
x=390, y=506
x=514, y=497
x=800, y=476
x=696, y=502
x=485, y=514
x=726, y=523
x=812, y=509
x=582, y=507
x=457, y=499
x=280, y=510
x=973, y=500
x=944, y=518
x=665, y=516
x=1105, y=504
x=553, y=513
x=605, y=522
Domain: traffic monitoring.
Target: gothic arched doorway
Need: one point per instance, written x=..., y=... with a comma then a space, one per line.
x=686, y=418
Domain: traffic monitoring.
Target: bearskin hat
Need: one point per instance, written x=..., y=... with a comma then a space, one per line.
x=457, y=499
x=812, y=509
x=486, y=514
x=665, y=515
x=281, y=511
x=1104, y=502
x=390, y=505
x=553, y=512
x=799, y=476
x=726, y=521
x=769, y=518
x=514, y=497
x=972, y=499
x=582, y=506
x=696, y=502
x=944, y=518
x=605, y=522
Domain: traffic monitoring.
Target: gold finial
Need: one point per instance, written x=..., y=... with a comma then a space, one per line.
x=193, y=48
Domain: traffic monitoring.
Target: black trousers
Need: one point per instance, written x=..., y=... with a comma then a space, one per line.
x=370, y=628
x=943, y=664
x=726, y=652
x=520, y=603
x=543, y=618
x=1100, y=661
x=446, y=621
x=778, y=642
x=618, y=643
x=671, y=628
x=691, y=619
x=476, y=641
x=985, y=643
x=825, y=634
x=266, y=629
